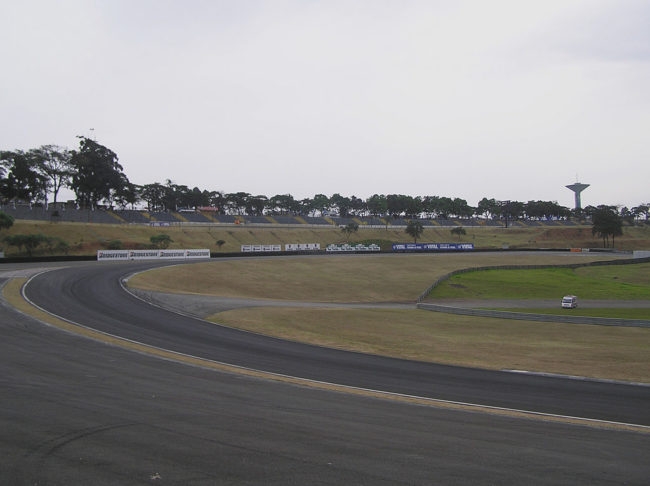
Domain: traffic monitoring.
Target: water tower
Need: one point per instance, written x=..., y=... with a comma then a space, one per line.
x=577, y=188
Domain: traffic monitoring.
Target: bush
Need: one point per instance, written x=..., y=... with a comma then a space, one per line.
x=161, y=241
x=29, y=242
x=6, y=220
x=57, y=245
x=114, y=245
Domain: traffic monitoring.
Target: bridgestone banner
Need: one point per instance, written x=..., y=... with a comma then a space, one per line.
x=117, y=255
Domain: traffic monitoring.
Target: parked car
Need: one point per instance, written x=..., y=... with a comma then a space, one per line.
x=569, y=302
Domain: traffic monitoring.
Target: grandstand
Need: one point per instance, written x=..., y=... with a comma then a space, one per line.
x=69, y=213
x=284, y=219
x=193, y=217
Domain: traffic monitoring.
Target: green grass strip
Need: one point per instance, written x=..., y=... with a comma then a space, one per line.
x=619, y=282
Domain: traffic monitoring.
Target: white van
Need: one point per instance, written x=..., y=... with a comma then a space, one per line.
x=569, y=302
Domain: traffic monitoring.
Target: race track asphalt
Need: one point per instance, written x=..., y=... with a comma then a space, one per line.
x=78, y=411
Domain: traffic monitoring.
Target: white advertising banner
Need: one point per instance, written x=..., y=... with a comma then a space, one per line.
x=144, y=254
x=194, y=254
x=112, y=255
x=187, y=254
x=352, y=248
x=172, y=254
x=302, y=247
x=260, y=248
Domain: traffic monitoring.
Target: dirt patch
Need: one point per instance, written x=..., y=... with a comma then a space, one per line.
x=581, y=237
x=565, y=234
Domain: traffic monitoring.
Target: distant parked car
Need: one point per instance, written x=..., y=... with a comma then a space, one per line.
x=569, y=302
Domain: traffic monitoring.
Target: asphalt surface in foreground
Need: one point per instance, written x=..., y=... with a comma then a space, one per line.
x=77, y=411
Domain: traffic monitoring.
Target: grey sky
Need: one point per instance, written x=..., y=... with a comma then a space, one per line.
x=504, y=99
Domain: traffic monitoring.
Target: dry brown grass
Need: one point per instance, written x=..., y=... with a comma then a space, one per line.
x=333, y=278
x=596, y=351
x=86, y=239
x=582, y=350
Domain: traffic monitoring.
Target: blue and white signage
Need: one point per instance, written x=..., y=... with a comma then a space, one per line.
x=433, y=246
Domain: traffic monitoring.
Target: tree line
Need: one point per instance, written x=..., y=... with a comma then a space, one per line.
x=94, y=174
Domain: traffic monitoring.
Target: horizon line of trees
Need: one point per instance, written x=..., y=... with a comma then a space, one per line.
x=97, y=179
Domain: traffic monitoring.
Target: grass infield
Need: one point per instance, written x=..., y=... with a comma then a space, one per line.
x=585, y=350
x=620, y=282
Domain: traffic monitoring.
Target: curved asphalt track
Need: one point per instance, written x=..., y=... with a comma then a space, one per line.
x=92, y=295
x=78, y=411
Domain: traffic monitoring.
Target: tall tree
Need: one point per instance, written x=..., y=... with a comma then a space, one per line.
x=171, y=196
x=342, y=203
x=413, y=206
x=153, y=195
x=235, y=203
x=396, y=204
x=461, y=209
x=606, y=222
x=283, y=204
x=98, y=175
x=414, y=228
x=358, y=206
x=348, y=229
x=4, y=164
x=56, y=164
x=255, y=205
x=488, y=208
x=641, y=210
x=516, y=209
x=183, y=196
x=23, y=180
x=458, y=231
x=377, y=205
x=320, y=203
x=627, y=215
x=127, y=194
x=306, y=207
x=218, y=200
x=6, y=220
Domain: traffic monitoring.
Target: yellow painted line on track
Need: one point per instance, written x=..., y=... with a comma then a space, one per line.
x=12, y=293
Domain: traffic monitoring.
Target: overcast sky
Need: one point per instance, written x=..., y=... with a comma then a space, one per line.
x=471, y=99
